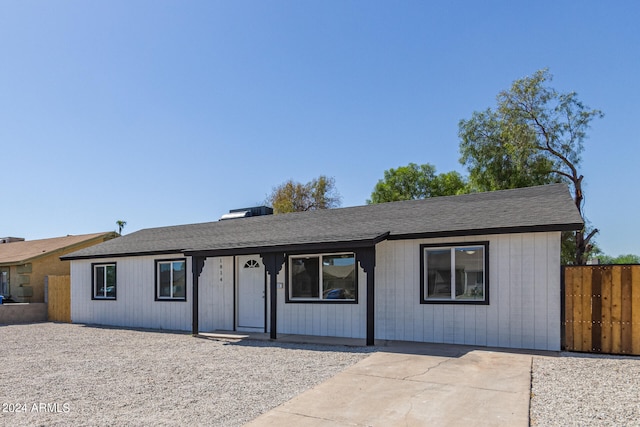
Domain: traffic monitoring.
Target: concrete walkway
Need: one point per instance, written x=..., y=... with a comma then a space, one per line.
x=417, y=385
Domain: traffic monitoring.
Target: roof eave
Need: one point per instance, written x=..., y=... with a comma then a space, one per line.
x=336, y=245
x=121, y=255
x=291, y=248
x=302, y=247
x=486, y=231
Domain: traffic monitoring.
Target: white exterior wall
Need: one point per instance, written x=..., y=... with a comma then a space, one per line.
x=323, y=319
x=524, y=295
x=523, y=310
x=216, y=295
x=135, y=305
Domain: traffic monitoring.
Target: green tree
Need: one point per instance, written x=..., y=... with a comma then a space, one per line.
x=620, y=259
x=534, y=136
x=416, y=182
x=500, y=155
x=291, y=196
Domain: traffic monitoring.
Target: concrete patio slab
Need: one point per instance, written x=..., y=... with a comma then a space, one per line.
x=451, y=386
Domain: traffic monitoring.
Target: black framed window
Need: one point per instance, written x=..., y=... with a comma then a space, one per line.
x=104, y=281
x=455, y=273
x=322, y=278
x=171, y=280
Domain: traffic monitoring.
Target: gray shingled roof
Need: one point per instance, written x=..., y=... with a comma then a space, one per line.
x=548, y=207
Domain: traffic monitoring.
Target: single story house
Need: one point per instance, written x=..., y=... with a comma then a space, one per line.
x=479, y=269
x=25, y=264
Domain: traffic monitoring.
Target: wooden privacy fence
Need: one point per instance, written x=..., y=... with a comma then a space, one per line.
x=59, y=298
x=601, y=309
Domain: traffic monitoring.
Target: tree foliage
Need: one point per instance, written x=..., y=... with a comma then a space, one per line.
x=416, y=182
x=534, y=136
x=500, y=155
x=291, y=196
x=620, y=259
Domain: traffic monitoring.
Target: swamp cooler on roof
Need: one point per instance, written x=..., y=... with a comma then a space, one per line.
x=247, y=212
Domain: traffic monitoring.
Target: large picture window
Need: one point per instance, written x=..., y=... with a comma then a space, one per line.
x=171, y=280
x=455, y=273
x=104, y=281
x=329, y=278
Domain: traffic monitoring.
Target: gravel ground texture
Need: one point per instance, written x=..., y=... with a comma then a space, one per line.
x=62, y=374
x=577, y=389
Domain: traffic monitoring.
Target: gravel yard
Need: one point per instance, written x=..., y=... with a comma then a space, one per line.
x=63, y=374
x=585, y=390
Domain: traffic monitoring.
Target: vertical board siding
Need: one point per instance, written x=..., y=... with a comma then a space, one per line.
x=524, y=295
x=576, y=297
x=616, y=309
x=539, y=298
x=626, y=344
x=515, y=294
x=635, y=318
x=602, y=309
x=527, y=302
x=384, y=272
x=596, y=309
x=502, y=299
x=216, y=295
x=606, y=326
x=585, y=302
x=135, y=305
x=553, y=304
x=59, y=299
x=493, y=316
x=337, y=320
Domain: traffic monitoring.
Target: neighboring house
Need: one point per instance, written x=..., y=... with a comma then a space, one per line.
x=479, y=269
x=24, y=264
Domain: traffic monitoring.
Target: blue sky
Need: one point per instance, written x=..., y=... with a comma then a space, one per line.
x=172, y=112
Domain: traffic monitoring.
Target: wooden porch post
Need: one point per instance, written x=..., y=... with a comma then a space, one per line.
x=197, y=264
x=367, y=260
x=273, y=263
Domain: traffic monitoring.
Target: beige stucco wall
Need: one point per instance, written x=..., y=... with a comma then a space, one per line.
x=48, y=265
